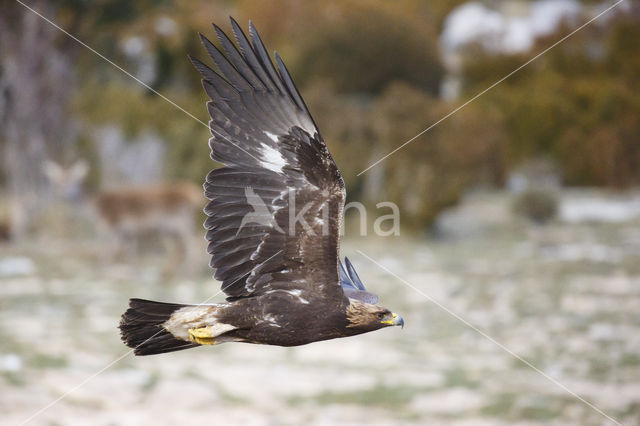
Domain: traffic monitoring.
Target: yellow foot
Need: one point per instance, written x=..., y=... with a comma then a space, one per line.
x=201, y=335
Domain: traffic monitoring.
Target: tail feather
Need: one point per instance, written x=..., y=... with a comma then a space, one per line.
x=141, y=328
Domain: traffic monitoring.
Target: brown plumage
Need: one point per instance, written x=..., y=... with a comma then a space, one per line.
x=273, y=221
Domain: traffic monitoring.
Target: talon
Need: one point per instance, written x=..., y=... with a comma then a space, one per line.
x=202, y=336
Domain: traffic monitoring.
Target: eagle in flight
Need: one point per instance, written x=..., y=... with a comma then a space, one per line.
x=273, y=223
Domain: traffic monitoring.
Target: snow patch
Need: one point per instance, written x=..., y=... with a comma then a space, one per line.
x=16, y=266
x=600, y=209
x=512, y=28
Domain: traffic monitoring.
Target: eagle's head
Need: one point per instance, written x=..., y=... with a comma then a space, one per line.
x=365, y=317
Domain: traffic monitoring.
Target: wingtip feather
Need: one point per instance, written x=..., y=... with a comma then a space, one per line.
x=233, y=21
x=219, y=32
x=203, y=39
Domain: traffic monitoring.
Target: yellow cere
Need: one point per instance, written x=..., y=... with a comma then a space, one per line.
x=391, y=321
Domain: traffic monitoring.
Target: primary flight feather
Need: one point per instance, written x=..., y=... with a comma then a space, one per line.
x=273, y=221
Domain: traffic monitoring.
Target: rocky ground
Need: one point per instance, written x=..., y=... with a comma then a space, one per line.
x=565, y=297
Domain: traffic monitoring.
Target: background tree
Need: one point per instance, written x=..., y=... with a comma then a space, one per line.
x=578, y=104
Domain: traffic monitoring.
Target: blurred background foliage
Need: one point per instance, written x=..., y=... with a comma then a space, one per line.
x=578, y=103
x=372, y=73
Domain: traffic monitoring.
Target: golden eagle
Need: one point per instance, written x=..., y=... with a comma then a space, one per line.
x=273, y=221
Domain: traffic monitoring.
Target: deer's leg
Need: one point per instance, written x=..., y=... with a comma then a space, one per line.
x=174, y=253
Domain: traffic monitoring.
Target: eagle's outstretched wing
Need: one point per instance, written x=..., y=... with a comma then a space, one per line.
x=276, y=207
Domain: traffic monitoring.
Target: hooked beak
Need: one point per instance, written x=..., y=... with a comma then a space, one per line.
x=395, y=320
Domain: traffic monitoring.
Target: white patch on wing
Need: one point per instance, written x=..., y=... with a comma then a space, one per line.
x=296, y=293
x=273, y=160
x=251, y=284
x=272, y=136
x=254, y=255
x=271, y=320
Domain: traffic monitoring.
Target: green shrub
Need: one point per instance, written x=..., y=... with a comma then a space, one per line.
x=576, y=104
x=431, y=173
x=366, y=49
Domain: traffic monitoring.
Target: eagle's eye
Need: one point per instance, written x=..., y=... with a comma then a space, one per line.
x=380, y=315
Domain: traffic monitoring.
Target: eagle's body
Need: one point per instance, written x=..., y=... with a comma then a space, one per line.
x=275, y=319
x=273, y=222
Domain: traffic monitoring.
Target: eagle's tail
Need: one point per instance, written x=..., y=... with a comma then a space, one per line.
x=141, y=328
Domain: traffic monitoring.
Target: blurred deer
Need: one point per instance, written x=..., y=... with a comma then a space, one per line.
x=65, y=208
x=66, y=181
x=128, y=215
x=5, y=231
